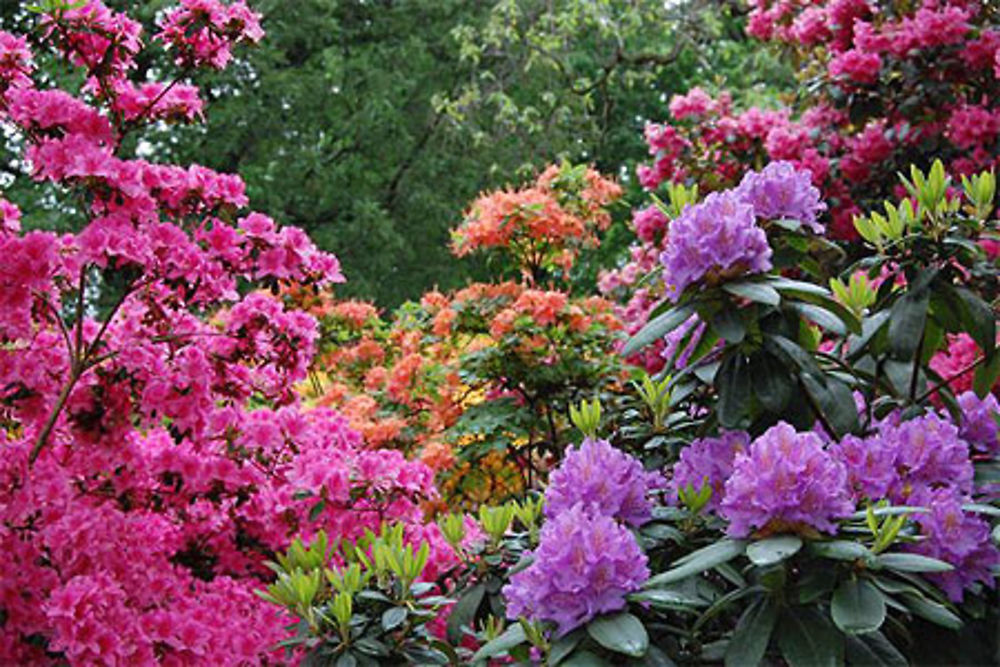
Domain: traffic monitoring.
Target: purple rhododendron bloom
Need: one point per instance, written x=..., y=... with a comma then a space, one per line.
x=957, y=537
x=712, y=241
x=782, y=191
x=927, y=451
x=709, y=461
x=871, y=466
x=605, y=480
x=979, y=424
x=585, y=565
x=785, y=482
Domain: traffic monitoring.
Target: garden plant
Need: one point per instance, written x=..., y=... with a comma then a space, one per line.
x=773, y=437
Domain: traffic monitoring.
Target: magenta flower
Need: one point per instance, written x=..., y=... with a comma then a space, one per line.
x=709, y=461
x=785, y=482
x=782, y=191
x=605, y=480
x=585, y=565
x=713, y=241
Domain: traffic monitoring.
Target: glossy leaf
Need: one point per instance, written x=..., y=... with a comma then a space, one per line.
x=621, y=633
x=857, y=606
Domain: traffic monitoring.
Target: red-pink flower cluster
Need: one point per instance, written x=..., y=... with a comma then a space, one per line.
x=152, y=451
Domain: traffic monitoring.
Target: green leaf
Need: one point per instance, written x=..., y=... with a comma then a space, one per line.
x=986, y=376
x=932, y=611
x=906, y=325
x=584, y=659
x=393, y=618
x=773, y=549
x=728, y=322
x=821, y=317
x=835, y=400
x=756, y=292
x=665, y=598
x=840, y=550
x=912, y=563
x=979, y=321
x=656, y=329
x=622, y=633
x=857, y=607
x=464, y=611
x=563, y=646
x=752, y=634
x=733, y=383
x=808, y=639
x=771, y=382
x=698, y=561
x=873, y=650
x=316, y=510
x=510, y=638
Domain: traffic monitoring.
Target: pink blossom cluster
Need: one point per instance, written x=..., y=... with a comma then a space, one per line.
x=154, y=455
x=203, y=32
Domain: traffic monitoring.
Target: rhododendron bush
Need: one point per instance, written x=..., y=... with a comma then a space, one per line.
x=883, y=85
x=829, y=494
x=154, y=452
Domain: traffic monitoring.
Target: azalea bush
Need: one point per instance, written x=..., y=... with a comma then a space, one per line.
x=478, y=383
x=154, y=451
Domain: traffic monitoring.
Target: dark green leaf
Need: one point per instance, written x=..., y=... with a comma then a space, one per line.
x=666, y=598
x=752, y=634
x=510, y=638
x=912, y=563
x=857, y=607
x=906, y=326
x=464, y=611
x=657, y=329
x=622, y=633
x=733, y=386
x=393, y=618
x=836, y=401
x=728, y=322
x=771, y=382
x=932, y=611
x=584, y=659
x=757, y=292
x=873, y=650
x=699, y=561
x=821, y=317
x=563, y=646
x=808, y=639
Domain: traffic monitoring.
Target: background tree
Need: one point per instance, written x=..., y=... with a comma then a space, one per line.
x=371, y=124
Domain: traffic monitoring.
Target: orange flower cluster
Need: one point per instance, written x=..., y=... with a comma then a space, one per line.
x=543, y=226
x=406, y=384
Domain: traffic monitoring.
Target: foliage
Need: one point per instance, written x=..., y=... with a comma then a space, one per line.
x=372, y=136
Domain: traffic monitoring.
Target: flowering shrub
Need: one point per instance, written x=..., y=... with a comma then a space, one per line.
x=825, y=477
x=543, y=227
x=154, y=453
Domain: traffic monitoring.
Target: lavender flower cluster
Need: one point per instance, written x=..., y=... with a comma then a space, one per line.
x=720, y=239
x=788, y=481
x=587, y=560
x=604, y=480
